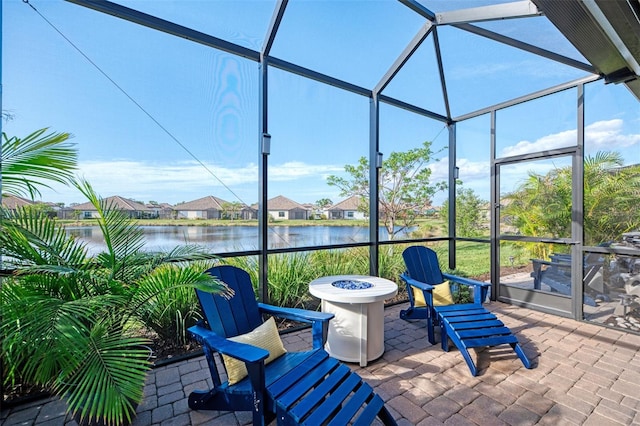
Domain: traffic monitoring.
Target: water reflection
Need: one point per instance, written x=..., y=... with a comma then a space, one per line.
x=221, y=239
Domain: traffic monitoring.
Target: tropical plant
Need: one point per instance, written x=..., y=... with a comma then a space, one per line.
x=611, y=193
x=289, y=278
x=405, y=187
x=231, y=210
x=469, y=219
x=31, y=162
x=541, y=206
x=69, y=317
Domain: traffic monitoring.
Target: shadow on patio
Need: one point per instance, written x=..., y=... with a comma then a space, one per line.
x=582, y=374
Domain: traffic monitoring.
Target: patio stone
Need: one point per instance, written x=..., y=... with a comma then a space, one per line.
x=587, y=380
x=442, y=407
x=615, y=412
x=535, y=403
x=410, y=411
x=517, y=414
x=479, y=415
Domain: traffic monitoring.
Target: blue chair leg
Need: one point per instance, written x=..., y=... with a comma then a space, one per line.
x=520, y=352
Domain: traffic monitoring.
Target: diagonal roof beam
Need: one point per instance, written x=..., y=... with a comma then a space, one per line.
x=520, y=9
x=531, y=96
x=419, y=9
x=413, y=108
x=443, y=84
x=404, y=57
x=155, y=23
x=276, y=19
x=526, y=46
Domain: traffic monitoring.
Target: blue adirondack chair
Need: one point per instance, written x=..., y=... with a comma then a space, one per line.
x=296, y=388
x=468, y=325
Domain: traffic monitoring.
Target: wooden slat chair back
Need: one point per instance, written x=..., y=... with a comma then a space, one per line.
x=468, y=325
x=422, y=266
x=306, y=387
x=230, y=317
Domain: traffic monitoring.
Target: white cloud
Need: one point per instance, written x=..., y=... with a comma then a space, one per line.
x=545, y=143
x=297, y=169
x=599, y=135
x=473, y=170
x=184, y=181
x=608, y=134
x=439, y=170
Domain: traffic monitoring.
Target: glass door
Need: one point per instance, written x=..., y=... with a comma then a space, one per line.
x=535, y=231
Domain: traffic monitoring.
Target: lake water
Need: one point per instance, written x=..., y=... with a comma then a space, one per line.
x=222, y=239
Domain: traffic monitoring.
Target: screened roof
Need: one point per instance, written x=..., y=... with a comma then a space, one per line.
x=380, y=46
x=165, y=92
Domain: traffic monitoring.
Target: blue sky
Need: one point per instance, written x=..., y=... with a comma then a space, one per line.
x=182, y=121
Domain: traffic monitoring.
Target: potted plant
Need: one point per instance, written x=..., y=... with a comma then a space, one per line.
x=69, y=318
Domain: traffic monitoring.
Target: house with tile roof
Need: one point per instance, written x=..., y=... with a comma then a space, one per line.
x=282, y=208
x=13, y=202
x=208, y=207
x=132, y=208
x=211, y=207
x=347, y=209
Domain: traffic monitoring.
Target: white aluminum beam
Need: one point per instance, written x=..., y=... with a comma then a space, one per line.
x=608, y=29
x=520, y=9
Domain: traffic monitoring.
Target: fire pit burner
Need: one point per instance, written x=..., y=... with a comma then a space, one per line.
x=352, y=284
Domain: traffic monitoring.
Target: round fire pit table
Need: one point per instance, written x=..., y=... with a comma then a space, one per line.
x=356, y=333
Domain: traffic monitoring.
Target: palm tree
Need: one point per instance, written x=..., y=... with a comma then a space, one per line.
x=70, y=319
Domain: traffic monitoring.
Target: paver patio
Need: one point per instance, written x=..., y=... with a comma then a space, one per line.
x=583, y=374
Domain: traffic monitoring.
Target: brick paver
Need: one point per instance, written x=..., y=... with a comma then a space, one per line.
x=583, y=375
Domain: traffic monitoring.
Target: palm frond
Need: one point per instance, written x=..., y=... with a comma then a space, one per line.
x=32, y=238
x=106, y=384
x=122, y=236
x=30, y=162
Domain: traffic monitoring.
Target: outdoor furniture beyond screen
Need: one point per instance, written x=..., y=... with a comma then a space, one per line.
x=468, y=325
x=356, y=334
x=296, y=387
x=556, y=275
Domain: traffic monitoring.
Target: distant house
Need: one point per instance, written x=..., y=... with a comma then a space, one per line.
x=132, y=208
x=282, y=208
x=161, y=210
x=13, y=202
x=347, y=209
x=208, y=207
x=314, y=211
x=248, y=212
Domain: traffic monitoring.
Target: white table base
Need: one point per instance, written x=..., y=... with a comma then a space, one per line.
x=354, y=333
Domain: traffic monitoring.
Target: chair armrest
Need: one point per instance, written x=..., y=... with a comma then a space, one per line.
x=480, y=289
x=415, y=283
x=543, y=262
x=466, y=281
x=319, y=320
x=295, y=314
x=242, y=351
